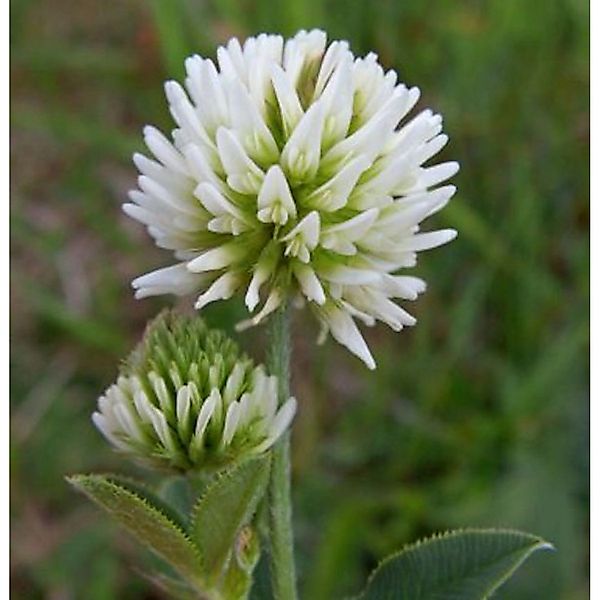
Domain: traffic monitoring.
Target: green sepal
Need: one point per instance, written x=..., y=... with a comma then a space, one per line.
x=461, y=565
x=226, y=505
x=146, y=521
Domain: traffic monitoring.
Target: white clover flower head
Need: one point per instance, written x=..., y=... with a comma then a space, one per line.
x=187, y=399
x=294, y=172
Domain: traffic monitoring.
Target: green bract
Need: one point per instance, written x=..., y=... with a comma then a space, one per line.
x=186, y=398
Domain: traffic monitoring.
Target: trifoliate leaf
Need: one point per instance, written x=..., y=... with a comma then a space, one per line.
x=460, y=565
x=146, y=521
x=226, y=505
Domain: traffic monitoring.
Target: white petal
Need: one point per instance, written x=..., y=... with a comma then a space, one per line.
x=164, y=176
x=338, y=98
x=345, y=331
x=175, y=279
x=183, y=404
x=246, y=120
x=304, y=49
x=265, y=389
x=231, y=422
x=267, y=51
x=243, y=175
x=308, y=230
x=436, y=198
x=228, y=217
x=397, y=286
x=142, y=215
x=272, y=303
x=143, y=405
x=280, y=423
x=302, y=152
x=434, y=175
x=422, y=128
x=432, y=147
x=426, y=241
x=345, y=275
x=265, y=266
x=401, y=217
x=161, y=392
x=370, y=139
x=274, y=193
x=201, y=167
x=234, y=383
x=336, y=53
x=287, y=98
x=216, y=258
x=164, y=151
x=231, y=60
x=333, y=194
x=163, y=431
x=184, y=113
x=209, y=408
x=222, y=288
x=343, y=235
x=205, y=89
x=213, y=200
x=103, y=425
x=167, y=197
x=309, y=282
x=381, y=307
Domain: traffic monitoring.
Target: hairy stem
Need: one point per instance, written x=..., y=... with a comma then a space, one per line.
x=283, y=572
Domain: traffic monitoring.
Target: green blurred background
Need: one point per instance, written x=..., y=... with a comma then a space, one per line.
x=478, y=416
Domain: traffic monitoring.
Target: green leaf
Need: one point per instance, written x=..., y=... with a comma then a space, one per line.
x=460, y=565
x=147, y=522
x=227, y=505
x=155, y=498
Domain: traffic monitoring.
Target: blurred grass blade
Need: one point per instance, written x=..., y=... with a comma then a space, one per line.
x=173, y=587
x=85, y=129
x=85, y=330
x=169, y=19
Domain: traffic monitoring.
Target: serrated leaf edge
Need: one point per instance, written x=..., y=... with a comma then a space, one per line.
x=227, y=473
x=171, y=512
x=540, y=544
x=194, y=578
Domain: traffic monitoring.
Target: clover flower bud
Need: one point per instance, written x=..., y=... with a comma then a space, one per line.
x=186, y=398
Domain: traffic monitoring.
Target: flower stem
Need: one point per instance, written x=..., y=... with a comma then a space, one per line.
x=283, y=573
